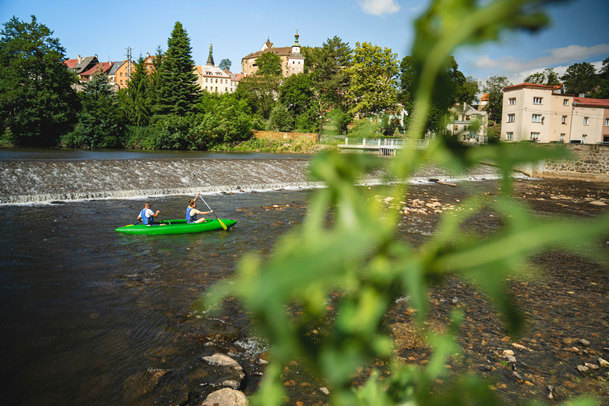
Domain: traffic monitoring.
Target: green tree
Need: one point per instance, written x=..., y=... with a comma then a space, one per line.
x=580, y=78
x=100, y=123
x=548, y=77
x=136, y=99
x=296, y=93
x=260, y=93
x=269, y=64
x=372, y=76
x=494, y=88
x=280, y=120
x=178, y=90
x=327, y=68
x=37, y=102
x=225, y=64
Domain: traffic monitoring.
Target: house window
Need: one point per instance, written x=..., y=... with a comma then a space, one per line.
x=537, y=118
x=564, y=120
x=511, y=118
x=584, y=138
x=586, y=120
x=509, y=136
x=565, y=102
x=534, y=137
x=512, y=100
x=562, y=137
x=607, y=122
x=537, y=100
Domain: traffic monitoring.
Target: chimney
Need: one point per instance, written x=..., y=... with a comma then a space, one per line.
x=79, y=59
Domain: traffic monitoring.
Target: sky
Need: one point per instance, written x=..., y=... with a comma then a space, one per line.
x=579, y=31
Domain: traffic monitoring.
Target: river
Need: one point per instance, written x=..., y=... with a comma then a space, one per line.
x=91, y=316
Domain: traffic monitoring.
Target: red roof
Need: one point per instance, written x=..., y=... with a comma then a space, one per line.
x=552, y=87
x=485, y=97
x=102, y=66
x=70, y=63
x=588, y=102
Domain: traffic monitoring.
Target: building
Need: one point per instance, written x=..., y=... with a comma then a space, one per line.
x=541, y=113
x=292, y=61
x=123, y=73
x=213, y=79
x=470, y=124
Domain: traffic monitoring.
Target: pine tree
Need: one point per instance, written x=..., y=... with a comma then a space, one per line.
x=178, y=91
x=138, y=93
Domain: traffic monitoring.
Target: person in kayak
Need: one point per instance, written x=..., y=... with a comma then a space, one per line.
x=192, y=212
x=147, y=215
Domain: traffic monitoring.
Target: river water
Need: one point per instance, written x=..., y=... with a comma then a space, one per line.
x=91, y=316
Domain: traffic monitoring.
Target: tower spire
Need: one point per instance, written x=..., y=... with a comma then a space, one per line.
x=210, y=58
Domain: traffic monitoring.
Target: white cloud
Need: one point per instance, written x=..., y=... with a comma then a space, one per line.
x=380, y=7
x=553, y=58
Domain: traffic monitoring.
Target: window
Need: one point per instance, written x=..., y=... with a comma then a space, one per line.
x=537, y=118
x=512, y=100
x=584, y=138
x=534, y=137
x=509, y=136
x=537, y=100
x=586, y=120
x=607, y=122
x=511, y=118
x=565, y=102
x=564, y=120
x=562, y=137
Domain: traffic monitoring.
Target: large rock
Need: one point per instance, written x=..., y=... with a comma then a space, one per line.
x=231, y=372
x=226, y=397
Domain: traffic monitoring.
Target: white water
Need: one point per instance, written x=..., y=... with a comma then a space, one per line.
x=44, y=181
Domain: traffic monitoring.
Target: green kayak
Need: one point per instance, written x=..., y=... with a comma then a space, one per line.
x=175, y=227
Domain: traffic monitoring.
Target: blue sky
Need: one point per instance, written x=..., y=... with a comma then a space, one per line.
x=579, y=31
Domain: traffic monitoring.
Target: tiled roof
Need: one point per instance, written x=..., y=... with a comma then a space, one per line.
x=283, y=51
x=115, y=66
x=102, y=66
x=588, y=102
x=71, y=63
x=84, y=63
x=533, y=85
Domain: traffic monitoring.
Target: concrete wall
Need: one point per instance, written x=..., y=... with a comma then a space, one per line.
x=589, y=163
x=276, y=135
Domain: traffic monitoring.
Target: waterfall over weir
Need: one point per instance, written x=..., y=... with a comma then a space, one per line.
x=40, y=181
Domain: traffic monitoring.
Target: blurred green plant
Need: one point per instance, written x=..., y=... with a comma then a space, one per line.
x=357, y=260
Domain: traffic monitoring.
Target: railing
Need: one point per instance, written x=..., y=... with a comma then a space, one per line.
x=386, y=146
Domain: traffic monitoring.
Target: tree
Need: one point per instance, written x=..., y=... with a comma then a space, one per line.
x=37, y=102
x=99, y=123
x=604, y=71
x=225, y=64
x=494, y=88
x=580, y=78
x=296, y=93
x=326, y=66
x=373, y=79
x=178, y=90
x=137, y=98
x=260, y=93
x=280, y=119
x=548, y=77
x=269, y=64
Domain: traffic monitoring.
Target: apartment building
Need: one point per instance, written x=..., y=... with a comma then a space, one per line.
x=292, y=61
x=541, y=113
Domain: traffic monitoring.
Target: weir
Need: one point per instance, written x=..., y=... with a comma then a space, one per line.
x=43, y=181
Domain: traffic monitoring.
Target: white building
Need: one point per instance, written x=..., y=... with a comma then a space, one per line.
x=213, y=79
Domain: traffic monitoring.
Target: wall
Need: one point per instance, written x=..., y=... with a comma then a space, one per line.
x=589, y=163
x=275, y=135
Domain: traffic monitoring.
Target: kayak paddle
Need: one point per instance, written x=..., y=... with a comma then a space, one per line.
x=220, y=221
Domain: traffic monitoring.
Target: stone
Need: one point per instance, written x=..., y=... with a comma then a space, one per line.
x=232, y=372
x=591, y=366
x=584, y=342
x=582, y=368
x=517, y=376
x=602, y=362
x=508, y=352
x=142, y=383
x=324, y=390
x=520, y=347
x=598, y=203
x=226, y=397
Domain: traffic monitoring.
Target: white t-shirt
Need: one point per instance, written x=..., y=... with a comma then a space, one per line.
x=148, y=213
